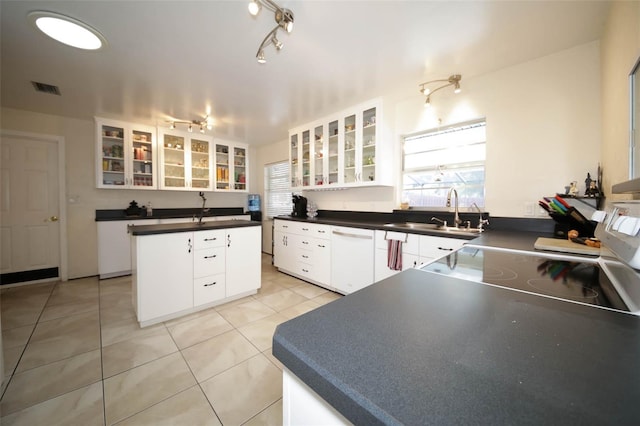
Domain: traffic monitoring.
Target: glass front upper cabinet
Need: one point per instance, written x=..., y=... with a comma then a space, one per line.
x=350, y=174
x=294, y=148
x=306, y=158
x=333, y=154
x=319, y=156
x=240, y=168
x=231, y=167
x=368, y=146
x=200, y=170
x=126, y=155
x=173, y=155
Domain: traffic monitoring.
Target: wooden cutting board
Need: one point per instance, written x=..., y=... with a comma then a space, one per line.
x=565, y=246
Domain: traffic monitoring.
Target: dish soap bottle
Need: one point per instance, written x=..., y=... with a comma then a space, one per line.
x=149, y=209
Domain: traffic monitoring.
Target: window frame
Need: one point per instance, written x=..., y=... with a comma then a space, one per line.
x=452, y=167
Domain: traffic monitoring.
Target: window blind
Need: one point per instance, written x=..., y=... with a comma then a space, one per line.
x=277, y=189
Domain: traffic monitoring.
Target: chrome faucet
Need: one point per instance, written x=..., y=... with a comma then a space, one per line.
x=456, y=214
x=481, y=220
x=202, y=210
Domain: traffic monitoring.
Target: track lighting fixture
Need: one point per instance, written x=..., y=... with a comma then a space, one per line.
x=284, y=19
x=453, y=80
x=204, y=123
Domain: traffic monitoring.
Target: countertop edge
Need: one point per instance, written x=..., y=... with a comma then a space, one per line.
x=170, y=228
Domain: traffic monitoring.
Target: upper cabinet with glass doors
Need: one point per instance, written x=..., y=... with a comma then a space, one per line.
x=126, y=155
x=232, y=166
x=185, y=160
x=343, y=150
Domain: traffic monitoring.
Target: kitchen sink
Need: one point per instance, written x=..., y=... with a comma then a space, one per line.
x=432, y=227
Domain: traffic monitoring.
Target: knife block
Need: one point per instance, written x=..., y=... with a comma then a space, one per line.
x=573, y=219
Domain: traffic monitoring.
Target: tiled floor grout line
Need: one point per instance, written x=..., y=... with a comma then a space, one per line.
x=104, y=402
x=272, y=278
x=33, y=330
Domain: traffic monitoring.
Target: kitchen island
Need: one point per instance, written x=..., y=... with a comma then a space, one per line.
x=421, y=348
x=182, y=268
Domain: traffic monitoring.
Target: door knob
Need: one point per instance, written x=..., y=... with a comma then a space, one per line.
x=52, y=219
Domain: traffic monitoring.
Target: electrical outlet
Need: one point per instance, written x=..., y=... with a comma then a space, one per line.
x=529, y=209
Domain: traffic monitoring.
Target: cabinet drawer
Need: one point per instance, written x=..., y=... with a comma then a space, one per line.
x=434, y=247
x=317, y=231
x=208, y=239
x=209, y=289
x=283, y=225
x=208, y=262
x=410, y=242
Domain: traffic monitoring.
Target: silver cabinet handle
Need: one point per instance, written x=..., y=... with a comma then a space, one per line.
x=211, y=239
x=305, y=242
x=228, y=240
x=445, y=249
x=189, y=246
x=210, y=257
x=305, y=256
x=210, y=284
x=346, y=234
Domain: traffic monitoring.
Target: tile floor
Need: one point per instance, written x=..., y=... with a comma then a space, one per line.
x=75, y=355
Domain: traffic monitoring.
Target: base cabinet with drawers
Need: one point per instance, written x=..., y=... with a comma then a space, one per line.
x=416, y=250
x=346, y=259
x=114, y=245
x=180, y=273
x=303, y=250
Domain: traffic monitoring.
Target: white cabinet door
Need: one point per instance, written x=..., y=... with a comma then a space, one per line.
x=114, y=246
x=243, y=263
x=283, y=250
x=163, y=290
x=352, y=258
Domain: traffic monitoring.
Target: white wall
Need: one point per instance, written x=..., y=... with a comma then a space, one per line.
x=620, y=49
x=80, y=180
x=543, y=130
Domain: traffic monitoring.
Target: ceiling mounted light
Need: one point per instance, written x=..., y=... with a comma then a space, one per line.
x=277, y=43
x=261, y=58
x=204, y=123
x=284, y=19
x=67, y=30
x=453, y=80
x=254, y=7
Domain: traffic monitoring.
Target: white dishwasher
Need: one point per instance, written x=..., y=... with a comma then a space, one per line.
x=352, y=258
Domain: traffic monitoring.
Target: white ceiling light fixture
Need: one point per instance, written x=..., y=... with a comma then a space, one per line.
x=207, y=123
x=284, y=19
x=453, y=80
x=67, y=30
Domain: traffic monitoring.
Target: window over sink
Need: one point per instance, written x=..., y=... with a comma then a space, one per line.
x=436, y=160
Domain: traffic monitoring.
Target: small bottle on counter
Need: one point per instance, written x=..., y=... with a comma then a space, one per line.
x=149, y=209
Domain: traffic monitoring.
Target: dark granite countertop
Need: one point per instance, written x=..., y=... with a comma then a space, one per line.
x=421, y=348
x=173, y=213
x=189, y=227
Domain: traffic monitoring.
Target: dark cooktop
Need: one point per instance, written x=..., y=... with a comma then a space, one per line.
x=580, y=280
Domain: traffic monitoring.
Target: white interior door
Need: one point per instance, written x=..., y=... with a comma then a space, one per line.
x=29, y=207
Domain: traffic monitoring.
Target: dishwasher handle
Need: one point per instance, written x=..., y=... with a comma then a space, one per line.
x=347, y=234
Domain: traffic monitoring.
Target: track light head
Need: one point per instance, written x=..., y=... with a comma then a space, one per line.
x=261, y=58
x=283, y=18
x=254, y=7
x=453, y=80
x=277, y=43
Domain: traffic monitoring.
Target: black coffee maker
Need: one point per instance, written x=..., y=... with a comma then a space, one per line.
x=299, y=206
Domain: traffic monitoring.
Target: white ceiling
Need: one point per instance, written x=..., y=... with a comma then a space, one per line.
x=174, y=59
